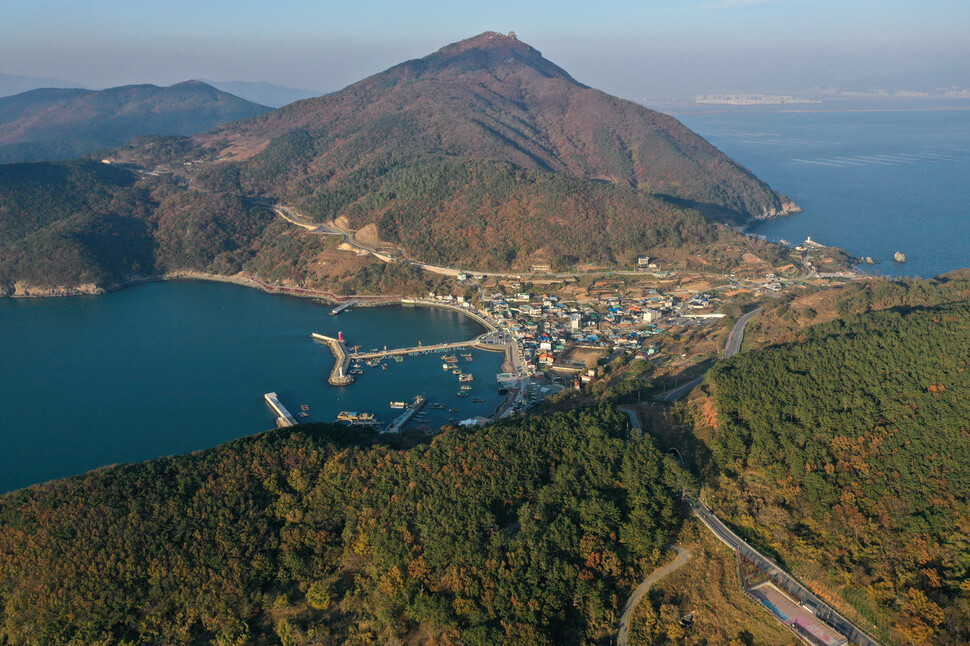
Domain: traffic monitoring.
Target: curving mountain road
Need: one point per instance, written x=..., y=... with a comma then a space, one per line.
x=731, y=348
x=683, y=555
x=781, y=578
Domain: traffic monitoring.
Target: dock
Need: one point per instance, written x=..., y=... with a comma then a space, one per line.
x=340, y=308
x=339, y=376
x=284, y=418
x=405, y=417
x=458, y=345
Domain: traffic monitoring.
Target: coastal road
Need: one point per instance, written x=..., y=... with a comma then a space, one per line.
x=731, y=348
x=683, y=555
x=781, y=578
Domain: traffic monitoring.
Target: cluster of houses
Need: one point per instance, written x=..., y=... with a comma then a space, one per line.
x=546, y=328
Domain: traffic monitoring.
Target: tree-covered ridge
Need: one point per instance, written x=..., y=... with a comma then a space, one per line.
x=52, y=124
x=80, y=222
x=525, y=531
x=858, y=434
x=487, y=98
x=493, y=215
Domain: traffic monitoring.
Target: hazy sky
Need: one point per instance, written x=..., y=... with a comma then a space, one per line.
x=642, y=48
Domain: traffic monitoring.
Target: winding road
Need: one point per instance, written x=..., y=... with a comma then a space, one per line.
x=781, y=578
x=731, y=348
x=683, y=555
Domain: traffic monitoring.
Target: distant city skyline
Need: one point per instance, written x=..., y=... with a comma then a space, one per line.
x=658, y=49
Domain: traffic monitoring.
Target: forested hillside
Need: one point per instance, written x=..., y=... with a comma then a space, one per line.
x=52, y=124
x=528, y=531
x=847, y=452
x=79, y=223
x=490, y=97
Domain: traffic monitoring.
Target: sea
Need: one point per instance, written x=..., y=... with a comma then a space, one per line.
x=871, y=181
x=173, y=367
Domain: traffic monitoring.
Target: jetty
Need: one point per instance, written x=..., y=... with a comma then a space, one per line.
x=339, y=376
x=340, y=308
x=284, y=418
x=475, y=343
x=405, y=417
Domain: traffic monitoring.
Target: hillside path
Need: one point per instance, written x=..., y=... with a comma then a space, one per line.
x=683, y=555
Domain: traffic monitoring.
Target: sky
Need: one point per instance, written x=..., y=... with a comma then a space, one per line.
x=639, y=49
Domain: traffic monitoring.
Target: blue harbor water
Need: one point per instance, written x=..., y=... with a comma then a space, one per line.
x=168, y=368
x=871, y=182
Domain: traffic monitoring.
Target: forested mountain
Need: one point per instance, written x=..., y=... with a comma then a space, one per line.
x=82, y=225
x=529, y=531
x=51, y=124
x=847, y=452
x=492, y=98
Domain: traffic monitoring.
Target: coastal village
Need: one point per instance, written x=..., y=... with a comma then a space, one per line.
x=565, y=333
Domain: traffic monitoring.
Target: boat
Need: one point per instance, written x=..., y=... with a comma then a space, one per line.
x=438, y=406
x=466, y=377
x=383, y=366
x=398, y=358
x=453, y=410
x=467, y=356
x=445, y=366
x=353, y=417
x=465, y=387
x=450, y=358
x=478, y=400
x=304, y=408
x=398, y=404
x=303, y=414
x=462, y=395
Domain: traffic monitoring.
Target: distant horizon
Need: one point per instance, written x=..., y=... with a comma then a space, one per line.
x=831, y=92
x=656, y=48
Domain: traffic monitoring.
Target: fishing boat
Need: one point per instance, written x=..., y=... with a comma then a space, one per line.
x=383, y=366
x=398, y=404
x=466, y=377
x=467, y=356
x=360, y=419
x=477, y=400
x=462, y=395
x=465, y=387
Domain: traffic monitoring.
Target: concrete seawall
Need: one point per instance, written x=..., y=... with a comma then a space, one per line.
x=339, y=376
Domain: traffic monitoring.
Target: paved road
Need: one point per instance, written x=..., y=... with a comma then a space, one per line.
x=683, y=555
x=736, y=335
x=634, y=418
x=731, y=348
x=781, y=578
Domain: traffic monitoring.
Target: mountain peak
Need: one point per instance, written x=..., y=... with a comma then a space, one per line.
x=489, y=40
x=501, y=55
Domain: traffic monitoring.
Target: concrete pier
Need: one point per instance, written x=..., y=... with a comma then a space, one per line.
x=340, y=308
x=284, y=418
x=339, y=376
x=405, y=417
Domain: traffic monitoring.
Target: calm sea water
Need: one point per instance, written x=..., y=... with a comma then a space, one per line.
x=871, y=182
x=169, y=368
